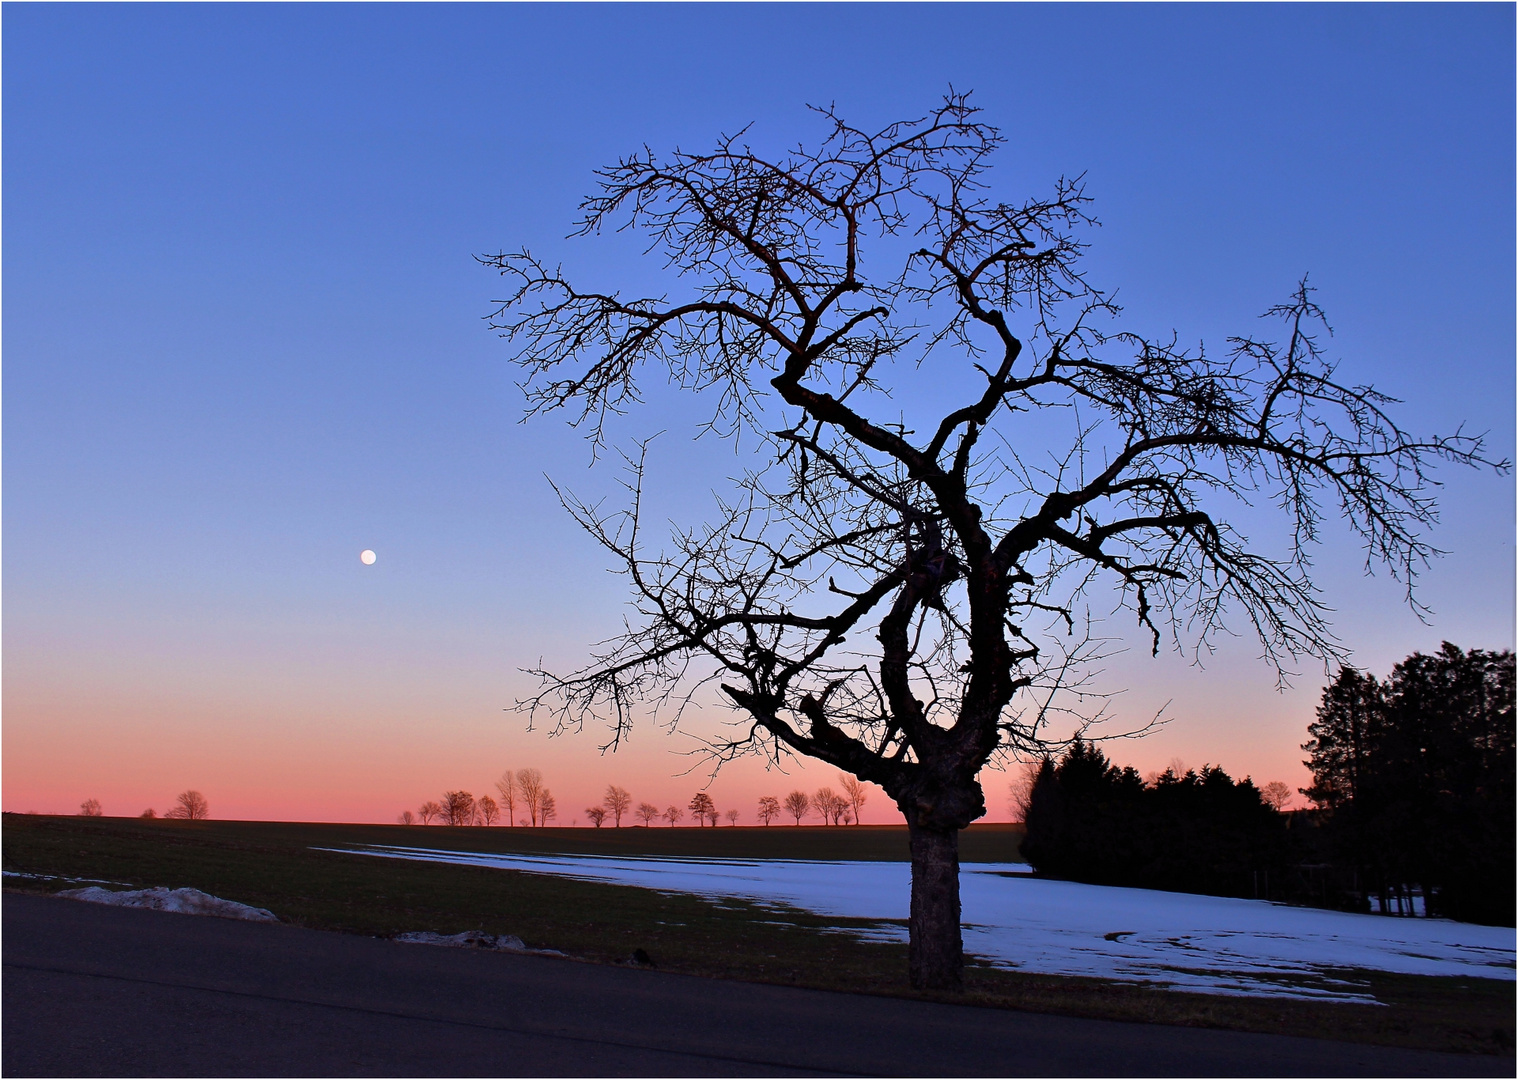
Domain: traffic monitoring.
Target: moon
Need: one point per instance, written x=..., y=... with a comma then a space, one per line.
x=367, y=557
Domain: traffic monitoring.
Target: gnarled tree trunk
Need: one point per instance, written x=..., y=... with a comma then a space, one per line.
x=936, y=953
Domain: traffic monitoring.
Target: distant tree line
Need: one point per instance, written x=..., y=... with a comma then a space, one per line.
x=188, y=806
x=526, y=792
x=1412, y=789
x=1090, y=820
x=831, y=807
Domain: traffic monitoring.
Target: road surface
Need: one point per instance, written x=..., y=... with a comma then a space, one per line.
x=91, y=990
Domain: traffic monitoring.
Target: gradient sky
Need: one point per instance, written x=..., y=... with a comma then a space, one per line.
x=243, y=340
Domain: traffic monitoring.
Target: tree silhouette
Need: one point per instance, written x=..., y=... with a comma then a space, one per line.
x=596, y=814
x=529, y=784
x=190, y=806
x=89, y=808
x=507, y=786
x=458, y=808
x=798, y=804
x=769, y=808
x=429, y=810
x=829, y=805
x=487, y=812
x=1416, y=777
x=962, y=454
x=672, y=815
x=1276, y=794
x=617, y=802
x=854, y=792
x=647, y=813
x=702, y=808
x=406, y=818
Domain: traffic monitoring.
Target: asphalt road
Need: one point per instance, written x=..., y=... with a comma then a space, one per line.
x=92, y=990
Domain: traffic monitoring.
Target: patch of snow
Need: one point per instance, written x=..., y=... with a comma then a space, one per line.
x=59, y=877
x=470, y=939
x=1210, y=944
x=181, y=901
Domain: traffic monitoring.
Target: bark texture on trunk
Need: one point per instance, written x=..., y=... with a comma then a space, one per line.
x=936, y=954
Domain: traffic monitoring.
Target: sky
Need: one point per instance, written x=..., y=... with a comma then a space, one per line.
x=244, y=340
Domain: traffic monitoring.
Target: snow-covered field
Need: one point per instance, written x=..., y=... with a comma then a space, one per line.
x=1203, y=943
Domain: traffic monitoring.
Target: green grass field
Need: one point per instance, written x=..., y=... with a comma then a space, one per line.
x=273, y=865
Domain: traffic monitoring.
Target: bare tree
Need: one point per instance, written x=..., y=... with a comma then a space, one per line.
x=1020, y=787
x=530, y=786
x=1276, y=794
x=547, y=808
x=617, y=802
x=406, y=818
x=829, y=805
x=701, y=807
x=487, y=811
x=89, y=808
x=148, y=814
x=672, y=815
x=596, y=814
x=189, y=806
x=832, y=296
x=854, y=792
x=507, y=787
x=798, y=804
x=429, y=810
x=732, y=817
x=769, y=808
x=647, y=813
x=458, y=808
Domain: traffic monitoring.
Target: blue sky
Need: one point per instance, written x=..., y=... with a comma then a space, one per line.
x=244, y=339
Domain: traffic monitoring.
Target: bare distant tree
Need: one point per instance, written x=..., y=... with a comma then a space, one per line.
x=701, y=807
x=1276, y=794
x=406, y=818
x=798, y=804
x=854, y=792
x=486, y=810
x=596, y=814
x=830, y=805
x=1020, y=787
x=89, y=808
x=672, y=815
x=732, y=817
x=547, y=808
x=458, y=808
x=826, y=299
x=429, y=810
x=190, y=806
x=530, y=787
x=507, y=786
x=647, y=813
x=149, y=814
x=617, y=802
x=769, y=808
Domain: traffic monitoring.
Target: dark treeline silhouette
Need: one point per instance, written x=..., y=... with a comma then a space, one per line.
x=1413, y=786
x=1091, y=820
x=1414, y=778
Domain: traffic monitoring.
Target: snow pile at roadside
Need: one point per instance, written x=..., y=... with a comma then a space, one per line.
x=473, y=939
x=1012, y=920
x=181, y=901
x=470, y=939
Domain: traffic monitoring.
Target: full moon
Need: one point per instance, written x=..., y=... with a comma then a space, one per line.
x=366, y=557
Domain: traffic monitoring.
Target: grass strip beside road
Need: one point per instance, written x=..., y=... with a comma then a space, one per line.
x=274, y=865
